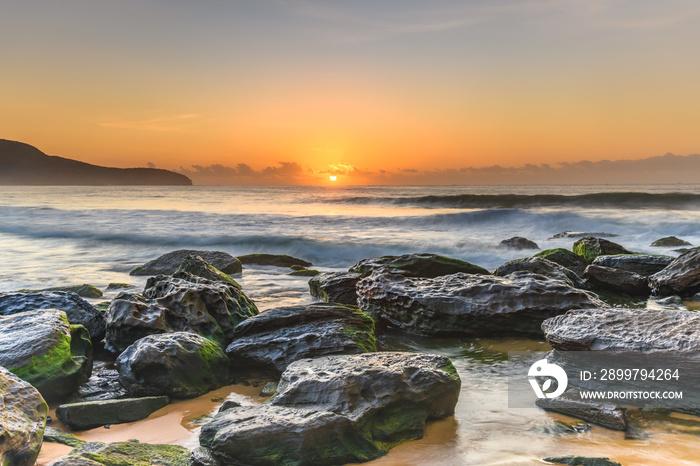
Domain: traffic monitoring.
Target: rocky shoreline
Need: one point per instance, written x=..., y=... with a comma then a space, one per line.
x=193, y=330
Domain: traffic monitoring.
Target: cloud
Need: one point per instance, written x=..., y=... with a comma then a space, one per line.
x=166, y=123
x=284, y=173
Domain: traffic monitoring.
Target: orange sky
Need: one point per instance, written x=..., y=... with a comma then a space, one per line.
x=363, y=86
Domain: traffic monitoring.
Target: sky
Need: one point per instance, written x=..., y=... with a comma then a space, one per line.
x=294, y=91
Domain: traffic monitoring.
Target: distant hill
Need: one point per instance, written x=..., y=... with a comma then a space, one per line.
x=22, y=164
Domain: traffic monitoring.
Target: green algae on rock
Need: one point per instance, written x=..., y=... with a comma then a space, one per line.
x=129, y=454
x=304, y=273
x=197, y=266
x=170, y=262
x=22, y=421
x=53, y=435
x=179, y=364
x=42, y=348
x=589, y=248
x=565, y=258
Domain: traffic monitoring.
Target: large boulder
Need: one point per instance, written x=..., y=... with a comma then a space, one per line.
x=519, y=243
x=279, y=260
x=642, y=264
x=42, y=348
x=540, y=266
x=169, y=304
x=417, y=265
x=465, y=304
x=601, y=414
x=198, y=267
x=277, y=337
x=90, y=414
x=682, y=276
x=589, y=248
x=565, y=258
x=79, y=311
x=337, y=409
x=125, y=453
x=616, y=281
x=335, y=287
x=180, y=365
x=624, y=330
x=168, y=264
x=274, y=435
x=22, y=421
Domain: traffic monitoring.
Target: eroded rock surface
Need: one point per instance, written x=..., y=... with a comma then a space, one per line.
x=682, y=276
x=335, y=287
x=417, y=265
x=465, y=304
x=540, y=266
x=642, y=264
x=169, y=263
x=616, y=281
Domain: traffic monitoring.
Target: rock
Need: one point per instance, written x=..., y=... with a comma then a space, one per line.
x=274, y=435
x=558, y=427
x=42, y=348
x=102, y=385
x=180, y=365
x=565, y=258
x=280, y=260
x=198, y=267
x=417, y=265
x=304, y=273
x=601, y=414
x=519, y=243
x=84, y=291
x=464, y=304
x=277, y=337
x=269, y=389
x=168, y=304
x=624, y=330
x=354, y=407
x=169, y=263
x=79, y=311
x=53, y=435
x=589, y=248
x=540, y=266
x=669, y=242
x=229, y=404
x=682, y=276
x=582, y=234
x=74, y=461
x=642, y=264
x=91, y=414
x=119, y=286
x=581, y=461
x=674, y=301
x=616, y=281
x=22, y=421
x=126, y=453
x=335, y=287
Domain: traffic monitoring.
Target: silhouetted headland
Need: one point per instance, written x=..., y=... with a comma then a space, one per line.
x=22, y=164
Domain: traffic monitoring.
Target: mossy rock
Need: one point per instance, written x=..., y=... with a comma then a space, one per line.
x=91, y=414
x=42, y=348
x=565, y=258
x=133, y=454
x=84, y=290
x=53, y=435
x=417, y=265
x=198, y=267
x=304, y=273
x=669, y=241
x=119, y=286
x=589, y=248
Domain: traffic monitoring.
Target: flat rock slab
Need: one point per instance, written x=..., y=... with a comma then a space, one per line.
x=91, y=414
x=601, y=414
x=682, y=276
x=79, y=311
x=279, y=260
x=466, y=304
x=642, y=264
x=417, y=265
x=53, y=435
x=180, y=365
x=168, y=304
x=335, y=287
x=22, y=420
x=624, y=330
x=277, y=337
x=168, y=264
x=42, y=348
x=125, y=453
x=581, y=461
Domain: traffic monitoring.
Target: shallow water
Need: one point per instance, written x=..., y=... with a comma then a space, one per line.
x=59, y=236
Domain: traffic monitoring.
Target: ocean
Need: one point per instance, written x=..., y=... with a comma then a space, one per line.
x=54, y=236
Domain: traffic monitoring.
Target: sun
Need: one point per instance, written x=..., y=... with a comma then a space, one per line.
x=333, y=177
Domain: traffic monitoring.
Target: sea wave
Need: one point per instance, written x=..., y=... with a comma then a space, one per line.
x=610, y=200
